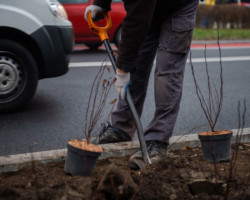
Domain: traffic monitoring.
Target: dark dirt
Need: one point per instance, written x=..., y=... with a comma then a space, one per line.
x=184, y=175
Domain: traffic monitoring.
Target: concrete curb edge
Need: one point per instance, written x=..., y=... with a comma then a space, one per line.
x=12, y=163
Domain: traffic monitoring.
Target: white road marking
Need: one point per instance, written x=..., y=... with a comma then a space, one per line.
x=194, y=60
x=223, y=59
x=213, y=48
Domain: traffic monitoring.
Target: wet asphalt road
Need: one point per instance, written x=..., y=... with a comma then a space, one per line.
x=57, y=111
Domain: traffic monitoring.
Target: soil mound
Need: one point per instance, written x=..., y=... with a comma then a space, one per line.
x=184, y=175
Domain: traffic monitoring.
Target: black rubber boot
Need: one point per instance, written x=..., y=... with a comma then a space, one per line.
x=109, y=135
x=156, y=150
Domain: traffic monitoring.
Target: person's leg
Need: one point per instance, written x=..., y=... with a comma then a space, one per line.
x=122, y=119
x=175, y=40
x=123, y=125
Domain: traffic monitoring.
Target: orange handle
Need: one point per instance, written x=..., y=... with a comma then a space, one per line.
x=101, y=31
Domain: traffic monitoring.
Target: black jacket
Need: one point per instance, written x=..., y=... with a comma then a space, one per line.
x=141, y=15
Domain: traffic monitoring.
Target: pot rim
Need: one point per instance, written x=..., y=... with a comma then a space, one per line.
x=218, y=132
x=224, y=136
x=82, y=151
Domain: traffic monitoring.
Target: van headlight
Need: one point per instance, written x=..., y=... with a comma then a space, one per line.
x=57, y=9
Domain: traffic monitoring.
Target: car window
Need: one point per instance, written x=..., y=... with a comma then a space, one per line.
x=116, y=0
x=73, y=1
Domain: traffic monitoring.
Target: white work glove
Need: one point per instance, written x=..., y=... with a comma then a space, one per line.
x=122, y=83
x=96, y=12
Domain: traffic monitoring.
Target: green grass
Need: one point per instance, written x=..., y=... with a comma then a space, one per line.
x=225, y=34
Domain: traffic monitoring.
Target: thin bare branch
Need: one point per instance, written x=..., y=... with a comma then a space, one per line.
x=208, y=85
x=88, y=106
x=200, y=96
x=97, y=100
x=233, y=162
x=190, y=131
x=213, y=105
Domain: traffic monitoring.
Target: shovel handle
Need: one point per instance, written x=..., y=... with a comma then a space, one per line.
x=101, y=31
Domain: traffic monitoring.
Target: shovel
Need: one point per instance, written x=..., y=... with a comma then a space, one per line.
x=102, y=32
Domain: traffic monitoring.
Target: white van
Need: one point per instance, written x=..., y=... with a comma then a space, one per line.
x=36, y=40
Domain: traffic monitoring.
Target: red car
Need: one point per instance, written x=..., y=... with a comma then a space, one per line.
x=76, y=9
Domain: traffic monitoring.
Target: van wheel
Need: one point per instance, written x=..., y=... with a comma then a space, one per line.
x=18, y=75
x=93, y=45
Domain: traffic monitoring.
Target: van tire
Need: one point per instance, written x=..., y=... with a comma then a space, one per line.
x=18, y=76
x=93, y=45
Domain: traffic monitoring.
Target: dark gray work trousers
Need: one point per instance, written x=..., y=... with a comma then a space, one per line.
x=170, y=43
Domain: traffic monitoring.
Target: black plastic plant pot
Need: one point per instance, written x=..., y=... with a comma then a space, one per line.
x=217, y=147
x=80, y=162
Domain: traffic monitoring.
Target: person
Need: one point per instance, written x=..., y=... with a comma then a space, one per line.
x=161, y=29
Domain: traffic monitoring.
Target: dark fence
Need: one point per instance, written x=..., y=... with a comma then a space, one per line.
x=223, y=16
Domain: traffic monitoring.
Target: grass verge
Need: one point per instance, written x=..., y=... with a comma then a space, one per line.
x=225, y=34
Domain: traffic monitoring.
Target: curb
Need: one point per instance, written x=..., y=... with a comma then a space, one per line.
x=13, y=163
x=221, y=41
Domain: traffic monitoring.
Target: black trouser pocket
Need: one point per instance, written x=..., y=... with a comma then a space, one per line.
x=180, y=35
